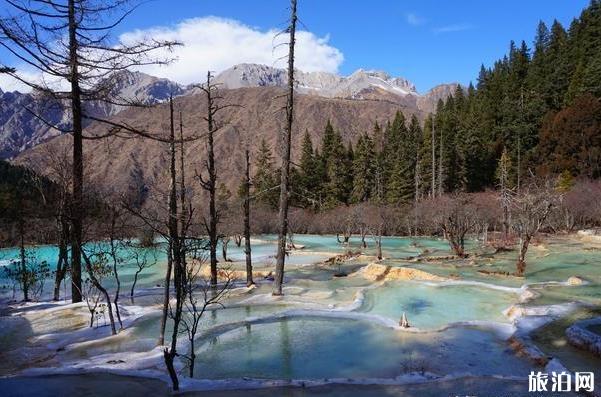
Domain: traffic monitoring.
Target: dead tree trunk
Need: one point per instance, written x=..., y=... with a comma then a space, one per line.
x=166, y=294
x=210, y=185
x=225, y=241
x=213, y=238
x=103, y=291
x=63, y=255
x=182, y=187
x=115, y=269
x=247, y=249
x=172, y=204
x=379, y=244
x=77, y=194
x=440, y=165
x=24, y=273
x=285, y=167
x=521, y=262
x=170, y=353
x=363, y=232
x=433, y=193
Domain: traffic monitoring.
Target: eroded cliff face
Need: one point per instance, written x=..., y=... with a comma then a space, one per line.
x=26, y=118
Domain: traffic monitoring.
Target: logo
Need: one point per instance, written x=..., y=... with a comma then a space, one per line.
x=560, y=382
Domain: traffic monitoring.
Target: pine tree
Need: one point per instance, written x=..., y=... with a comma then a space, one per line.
x=364, y=168
x=349, y=176
x=308, y=176
x=591, y=77
x=335, y=163
x=412, y=157
x=265, y=180
x=557, y=59
x=399, y=164
x=427, y=154
x=510, y=103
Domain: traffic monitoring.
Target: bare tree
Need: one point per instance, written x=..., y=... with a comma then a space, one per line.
x=210, y=184
x=92, y=297
x=200, y=297
x=433, y=166
x=530, y=208
x=28, y=273
x=363, y=225
x=143, y=260
x=374, y=217
x=285, y=158
x=505, y=191
x=441, y=169
x=247, y=248
x=115, y=235
x=96, y=264
x=69, y=42
x=456, y=219
x=177, y=260
x=228, y=220
x=346, y=218
x=56, y=166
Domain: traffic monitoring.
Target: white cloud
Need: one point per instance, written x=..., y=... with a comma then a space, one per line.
x=453, y=28
x=413, y=19
x=215, y=44
x=9, y=83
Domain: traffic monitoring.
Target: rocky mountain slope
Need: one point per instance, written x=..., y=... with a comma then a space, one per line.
x=140, y=166
x=25, y=118
x=316, y=83
x=362, y=84
x=20, y=129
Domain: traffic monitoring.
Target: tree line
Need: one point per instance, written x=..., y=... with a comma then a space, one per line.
x=535, y=111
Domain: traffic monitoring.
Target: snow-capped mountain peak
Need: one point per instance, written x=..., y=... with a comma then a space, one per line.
x=316, y=83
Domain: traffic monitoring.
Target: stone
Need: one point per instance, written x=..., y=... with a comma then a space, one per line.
x=574, y=280
x=404, y=323
x=379, y=272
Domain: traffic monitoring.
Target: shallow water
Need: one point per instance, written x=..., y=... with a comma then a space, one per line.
x=258, y=336
x=107, y=385
x=431, y=306
x=312, y=348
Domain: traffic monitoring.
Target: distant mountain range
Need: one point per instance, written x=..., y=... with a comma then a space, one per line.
x=21, y=129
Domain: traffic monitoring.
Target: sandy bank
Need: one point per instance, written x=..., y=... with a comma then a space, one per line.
x=378, y=272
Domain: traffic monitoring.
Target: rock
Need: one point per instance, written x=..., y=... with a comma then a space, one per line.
x=526, y=348
x=579, y=336
x=378, y=272
x=514, y=312
x=590, y=235
x=404, y=323
x=574, y=280
x=527, y=295
x=269, y=276
x=498, y=274
x=555, y=366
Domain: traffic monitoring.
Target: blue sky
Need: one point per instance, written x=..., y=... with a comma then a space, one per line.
x=428, y=42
